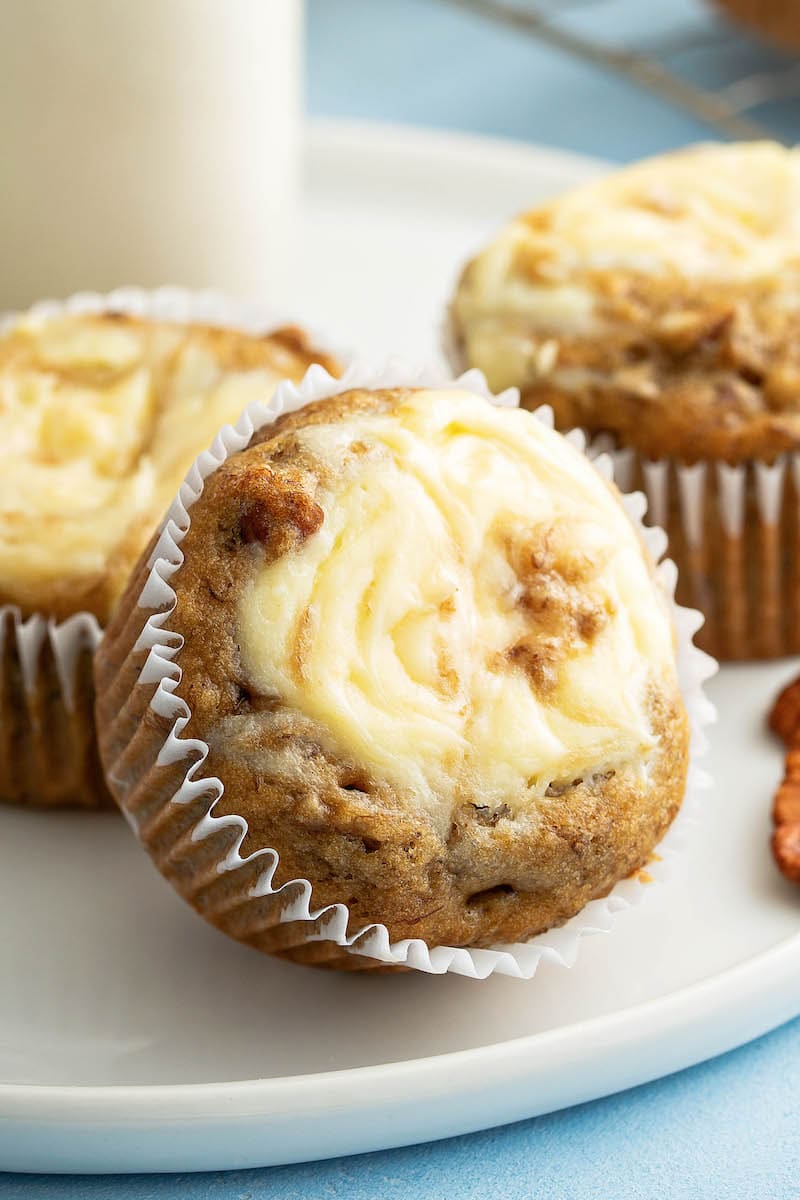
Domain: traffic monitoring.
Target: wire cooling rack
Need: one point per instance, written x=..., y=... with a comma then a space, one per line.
x=690, y=55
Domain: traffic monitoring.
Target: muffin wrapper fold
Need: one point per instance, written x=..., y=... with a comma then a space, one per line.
x=734, y=532
x=48, y=746
x=48, y=749
x=157, y=774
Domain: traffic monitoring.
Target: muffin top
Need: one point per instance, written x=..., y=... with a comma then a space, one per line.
x=100, y=418
x=663, y=297
x=411, y=613
x=470, y=587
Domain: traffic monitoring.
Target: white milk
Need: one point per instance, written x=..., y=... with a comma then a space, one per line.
x=147, y=142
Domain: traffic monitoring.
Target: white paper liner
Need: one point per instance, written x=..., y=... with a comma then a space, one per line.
x=747, y=616
x=67, y=638
x=691, y=483
x=162, y=671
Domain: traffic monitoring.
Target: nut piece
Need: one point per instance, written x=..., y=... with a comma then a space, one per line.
x=784, y=720
x=278, y=513
x=681, y=331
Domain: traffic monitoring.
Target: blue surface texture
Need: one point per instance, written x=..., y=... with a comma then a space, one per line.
x=728, y=1130
x=430, y=62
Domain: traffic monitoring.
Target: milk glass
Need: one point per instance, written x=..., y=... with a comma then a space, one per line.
x=147, y=142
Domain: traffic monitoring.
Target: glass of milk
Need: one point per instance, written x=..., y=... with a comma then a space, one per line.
x=147, y=142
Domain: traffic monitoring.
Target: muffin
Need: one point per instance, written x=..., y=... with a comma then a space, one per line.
x=659, y=306
x=100, y=417
x=409, y=649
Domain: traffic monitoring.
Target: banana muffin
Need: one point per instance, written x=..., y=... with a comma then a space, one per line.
x=100, y=418
x=433, y=669
x=659, y=306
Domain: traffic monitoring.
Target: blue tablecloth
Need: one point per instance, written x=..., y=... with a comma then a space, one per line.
x=727, y=1129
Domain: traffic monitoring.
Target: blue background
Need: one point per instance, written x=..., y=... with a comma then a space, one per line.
x=729, y=1128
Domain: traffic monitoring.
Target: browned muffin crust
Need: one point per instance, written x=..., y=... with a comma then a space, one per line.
x=491, y=876
x=681, y=372
x=675, y=369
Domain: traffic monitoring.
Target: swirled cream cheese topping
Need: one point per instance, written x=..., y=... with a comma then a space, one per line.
x=100, y=419
x=475, y=602
x=711, y=214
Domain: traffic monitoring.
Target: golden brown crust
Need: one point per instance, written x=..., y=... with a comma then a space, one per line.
x=491, y=876
x=686, y=373
x=680, y=370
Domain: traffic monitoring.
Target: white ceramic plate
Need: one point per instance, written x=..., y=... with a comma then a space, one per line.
x=135, y=1038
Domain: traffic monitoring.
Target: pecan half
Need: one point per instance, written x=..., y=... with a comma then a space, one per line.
x=784, y=720
x=784, y=717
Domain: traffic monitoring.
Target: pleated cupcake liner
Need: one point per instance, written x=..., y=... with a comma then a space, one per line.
x=734, y=532
x=48, y=747
x=158, y=777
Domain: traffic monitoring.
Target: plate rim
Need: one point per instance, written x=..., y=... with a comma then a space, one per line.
x=684, y=1026
x=611, y=1031
x=324, y=135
